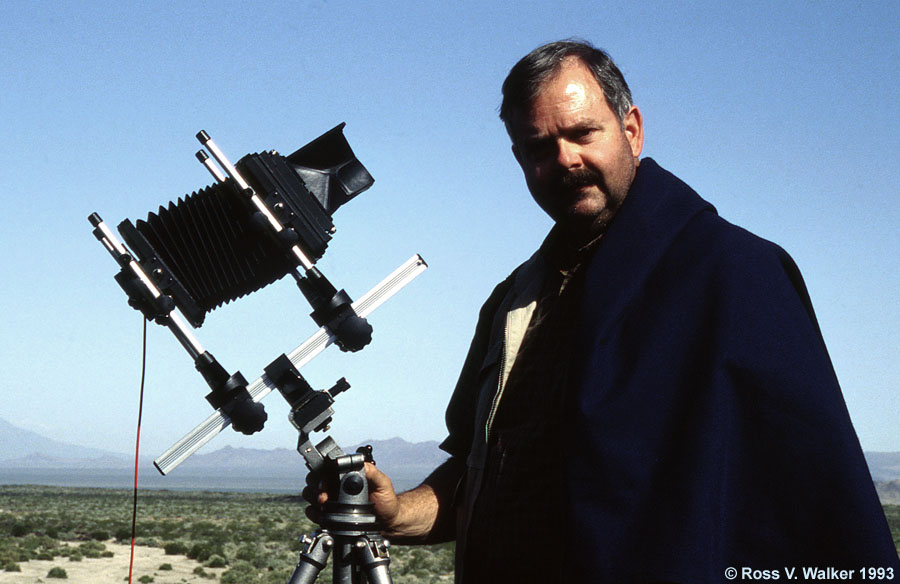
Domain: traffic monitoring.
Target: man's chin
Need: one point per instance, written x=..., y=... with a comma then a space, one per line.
x=586, y=221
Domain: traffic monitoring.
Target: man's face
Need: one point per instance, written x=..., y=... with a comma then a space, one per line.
x=579, y=160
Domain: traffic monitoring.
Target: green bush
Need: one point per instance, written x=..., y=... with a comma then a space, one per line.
x=12, y=567
x=164, y=567
x=233, y=526
x=242, y=572
x=202, y=551
x=92, y=549
x=57, y=572
x=175, y=548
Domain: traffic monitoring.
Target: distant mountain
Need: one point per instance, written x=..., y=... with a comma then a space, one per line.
x=392, y=454
x=19, y=446
x=231, y=458
x=405, y=462
x=397, y=452
x=884, y=466
x=26, y=456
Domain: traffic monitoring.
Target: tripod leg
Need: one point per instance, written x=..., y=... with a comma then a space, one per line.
x=343, y=568
x=372, y=555
x=312, y=559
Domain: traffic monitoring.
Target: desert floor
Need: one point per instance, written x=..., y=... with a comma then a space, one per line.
x=147, y=561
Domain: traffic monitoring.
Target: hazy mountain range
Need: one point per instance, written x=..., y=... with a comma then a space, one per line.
x=19, y=446
x=26, y=456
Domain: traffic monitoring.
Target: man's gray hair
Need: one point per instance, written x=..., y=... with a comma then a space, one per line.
x=528, y=76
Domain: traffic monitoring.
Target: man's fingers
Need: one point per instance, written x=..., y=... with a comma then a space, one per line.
x=314, y=496
x=313, y=513
x=377, y=479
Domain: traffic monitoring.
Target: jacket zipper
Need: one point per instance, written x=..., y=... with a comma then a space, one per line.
x=500, y=385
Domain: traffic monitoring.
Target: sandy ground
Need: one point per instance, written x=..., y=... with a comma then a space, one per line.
x=112, y=570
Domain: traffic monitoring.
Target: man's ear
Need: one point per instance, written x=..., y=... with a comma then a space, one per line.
x=633, y=125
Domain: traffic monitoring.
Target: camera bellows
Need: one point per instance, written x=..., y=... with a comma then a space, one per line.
x=220, y=243
x=206, y=250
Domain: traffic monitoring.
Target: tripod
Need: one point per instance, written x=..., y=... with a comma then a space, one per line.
x=349, y=529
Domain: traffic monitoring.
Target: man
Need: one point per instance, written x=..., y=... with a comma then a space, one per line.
x=648, y=398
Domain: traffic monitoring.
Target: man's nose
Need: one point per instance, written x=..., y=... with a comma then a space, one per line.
x=568, y=154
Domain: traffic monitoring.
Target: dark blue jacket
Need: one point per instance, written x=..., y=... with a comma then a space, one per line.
x=708, y=428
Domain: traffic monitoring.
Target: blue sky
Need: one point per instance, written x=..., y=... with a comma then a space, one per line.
x=786, y=116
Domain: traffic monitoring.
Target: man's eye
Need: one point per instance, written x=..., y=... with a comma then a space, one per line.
x=584, y=135
x=539, y=148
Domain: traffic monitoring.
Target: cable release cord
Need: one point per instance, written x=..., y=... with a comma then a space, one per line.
x=137, y=446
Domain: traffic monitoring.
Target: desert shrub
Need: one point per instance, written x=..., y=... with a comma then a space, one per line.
x=242, y=572
x=253, y=554
x=20, y=529
x=247, y=553
x=175, y=548
x=57, y=572
x=92, y=549
x=11, y=567
x=8, y=551
x=892, y=514
x=202, y=551
x=200, y=571
x=204, y=530
x=145, y=579
x=165, y=567
x=169, y=528
x=421, y=560
x=234, y=526
x=100, y=534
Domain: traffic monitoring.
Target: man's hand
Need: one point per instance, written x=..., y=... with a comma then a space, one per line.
x=410, y=517
x=381, y=494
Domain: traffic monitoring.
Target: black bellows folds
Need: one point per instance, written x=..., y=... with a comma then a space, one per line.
x=214, y=245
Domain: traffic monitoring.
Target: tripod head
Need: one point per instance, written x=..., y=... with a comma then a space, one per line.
x=348, y=521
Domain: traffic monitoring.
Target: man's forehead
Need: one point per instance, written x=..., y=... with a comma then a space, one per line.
x=570, y=93
x=573, y=79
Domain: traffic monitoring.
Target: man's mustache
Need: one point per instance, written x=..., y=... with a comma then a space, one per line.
x=580, y=177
